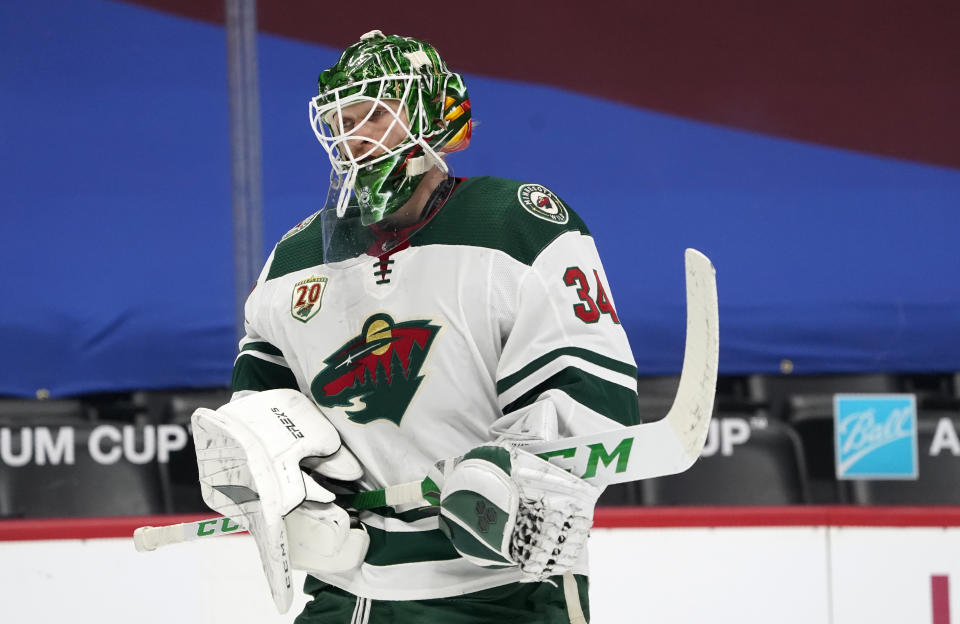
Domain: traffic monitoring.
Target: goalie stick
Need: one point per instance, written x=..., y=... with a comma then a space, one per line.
x=644, y=451
x=655, y=449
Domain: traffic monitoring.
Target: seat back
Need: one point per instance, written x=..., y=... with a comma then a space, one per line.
x=777, y=391
x=938, y=482
x=766, y=468
x=28, y=412
x=76, y=470
x=181, y=471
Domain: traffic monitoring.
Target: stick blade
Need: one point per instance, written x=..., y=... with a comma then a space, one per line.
x=692, y=408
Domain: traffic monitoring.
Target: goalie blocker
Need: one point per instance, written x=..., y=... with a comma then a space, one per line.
x=249, y=456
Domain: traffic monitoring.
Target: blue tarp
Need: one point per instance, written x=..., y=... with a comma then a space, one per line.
x=116, y=240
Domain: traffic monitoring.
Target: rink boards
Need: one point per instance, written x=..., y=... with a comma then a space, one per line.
x=838, y=565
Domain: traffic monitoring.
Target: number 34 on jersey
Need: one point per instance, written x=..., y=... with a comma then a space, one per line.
x=595, y=302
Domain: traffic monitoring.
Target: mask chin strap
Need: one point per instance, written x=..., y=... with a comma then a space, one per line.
x=429, y=160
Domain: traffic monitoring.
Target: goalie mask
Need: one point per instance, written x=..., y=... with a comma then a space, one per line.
x=385, y=114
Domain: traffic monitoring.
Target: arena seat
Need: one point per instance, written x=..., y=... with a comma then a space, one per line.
x=811, y=416
x=653, y=407
x=938, y=482
x=181, y=405
x=180, y=473
x=621, y=494
x=658, y=385
x=776, y=391
x=656, y=393
x=766, y=469
x=26, y=412
x=806, y=403
x=81, y=488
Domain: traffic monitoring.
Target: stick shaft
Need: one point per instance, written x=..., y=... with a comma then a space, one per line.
x=664, y=447
x=149, y=538
x=644, y=451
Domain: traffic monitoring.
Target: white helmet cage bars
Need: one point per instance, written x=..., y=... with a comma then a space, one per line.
x=327, y=123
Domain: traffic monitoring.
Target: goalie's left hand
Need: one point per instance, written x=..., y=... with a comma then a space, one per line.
x=249, y=455
x=502, y=506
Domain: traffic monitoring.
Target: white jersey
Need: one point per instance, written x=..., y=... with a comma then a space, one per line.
x=499, y=301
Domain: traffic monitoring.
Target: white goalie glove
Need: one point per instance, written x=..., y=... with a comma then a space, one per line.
x=503, y=506
x=249, y=455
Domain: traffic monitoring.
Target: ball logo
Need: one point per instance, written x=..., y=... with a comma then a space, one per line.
x=876, y=436
x=541, y=202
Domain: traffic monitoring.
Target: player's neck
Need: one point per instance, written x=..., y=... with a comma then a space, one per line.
x=412, y=212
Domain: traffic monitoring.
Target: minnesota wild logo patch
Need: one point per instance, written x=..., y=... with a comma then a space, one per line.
x=300, y=226
x=305, y=301
x=377, y=373
x=541, y=202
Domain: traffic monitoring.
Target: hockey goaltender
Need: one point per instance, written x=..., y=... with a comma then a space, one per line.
x=419, y=317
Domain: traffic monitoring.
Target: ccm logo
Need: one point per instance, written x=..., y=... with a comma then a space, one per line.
x=286, y=422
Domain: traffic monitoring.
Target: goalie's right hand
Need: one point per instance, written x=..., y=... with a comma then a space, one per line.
x=249, y=455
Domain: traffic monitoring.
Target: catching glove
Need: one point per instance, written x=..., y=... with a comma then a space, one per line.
x=501, y=506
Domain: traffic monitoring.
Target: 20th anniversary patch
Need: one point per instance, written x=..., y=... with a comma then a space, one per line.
x=540, y=201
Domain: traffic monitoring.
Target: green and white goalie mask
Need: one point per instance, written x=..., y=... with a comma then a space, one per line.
x=385, y=114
